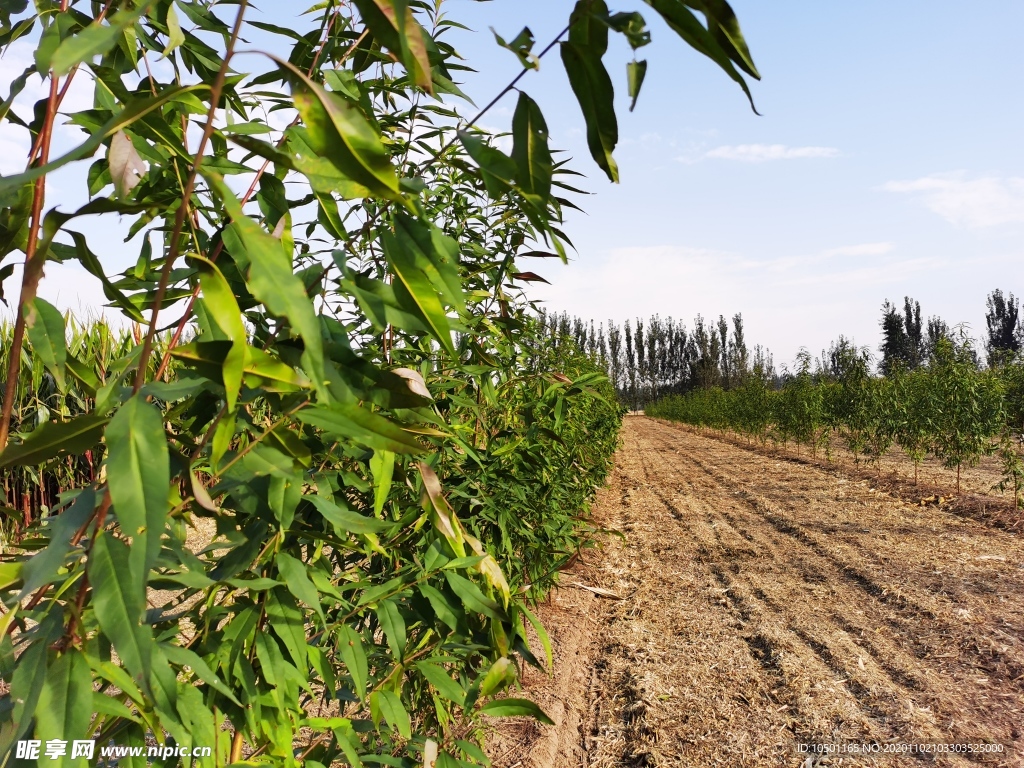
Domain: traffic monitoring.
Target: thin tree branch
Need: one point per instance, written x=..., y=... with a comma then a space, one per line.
x=186, y=195
x=33, y=270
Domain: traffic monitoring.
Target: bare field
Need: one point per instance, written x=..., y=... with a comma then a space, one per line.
x=762, y=604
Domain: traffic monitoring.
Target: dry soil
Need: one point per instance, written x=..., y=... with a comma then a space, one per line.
x=761, y=606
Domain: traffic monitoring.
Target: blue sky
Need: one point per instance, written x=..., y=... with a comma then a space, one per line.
x=886, y=162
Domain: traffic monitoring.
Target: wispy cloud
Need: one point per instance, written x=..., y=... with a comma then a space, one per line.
x=761, y=153
x=973, y=203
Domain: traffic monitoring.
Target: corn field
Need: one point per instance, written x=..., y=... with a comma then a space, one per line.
x=95, y=352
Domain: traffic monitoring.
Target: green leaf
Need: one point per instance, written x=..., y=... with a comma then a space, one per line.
x=416, y=285
x=93, y=40
x=134, y=110
x=295, y=578
x=497, y=168
x=65, y=703
x=394, y=712
x=102, y=704
x=345, y=521
x=393, y=24
x=382, y=466
x=184, y=657
x=272, y=280
x=521, y=45
x=352, y=653
x=393, y=624
x=175, y=36
x=365, y=427
x=581, y=56
x=515, y=708
x=433, y=253
x=632, y=26
x=219, y=300
x=444, y=610
x=530, y=150
x=725, y=28
x=286, y=620
x=45, y=326
x=542, y=633
x=472, y=597
x=500, y=673
x=119, y=600
x=338, y=130
x=261, y=369
x=635, y=73
x=139, y=476
x=55, y=438
x=26, y=687
x=10, y=573
x=442, y=681
x=685, y=24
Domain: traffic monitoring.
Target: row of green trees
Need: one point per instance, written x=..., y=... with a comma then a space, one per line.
x=338, y=377
x=948, y=409
x=908, y=341
x=648, y=359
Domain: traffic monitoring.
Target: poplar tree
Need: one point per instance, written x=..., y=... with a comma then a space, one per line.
x=1002, y=319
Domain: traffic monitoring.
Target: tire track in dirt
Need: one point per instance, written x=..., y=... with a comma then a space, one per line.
x=761, y=608
x=912, y=620
x=907, y=603
x=762, y=618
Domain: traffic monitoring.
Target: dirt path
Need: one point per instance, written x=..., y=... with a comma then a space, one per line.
x=767, y=604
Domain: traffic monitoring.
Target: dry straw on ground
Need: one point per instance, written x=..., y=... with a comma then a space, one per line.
x=768, y=603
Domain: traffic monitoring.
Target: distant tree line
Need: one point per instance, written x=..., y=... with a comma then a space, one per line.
x=935, y=396
x=647, y=359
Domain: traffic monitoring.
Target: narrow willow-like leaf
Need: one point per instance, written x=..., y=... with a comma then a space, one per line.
x=515, y=708
x=530, y=150
x=636, y=71
x=119, y=598
x=65, y=703
x=298, y=583
x=346, y=521
x=339, y=131
x=54, y=438
x=219, y=300
x=685, y=24
x=442, y=681
x=45, y=327
x=95, y=39
x=391, y=621
x=581, y=57
x=394, y=712
x=138, y=474
x=393, y=24
x=354, y=655
x=382, y=465
x=272, y=280
x=364, y=426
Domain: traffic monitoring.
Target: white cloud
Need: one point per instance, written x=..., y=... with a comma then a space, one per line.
x=973, y=203
x=760, y=153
